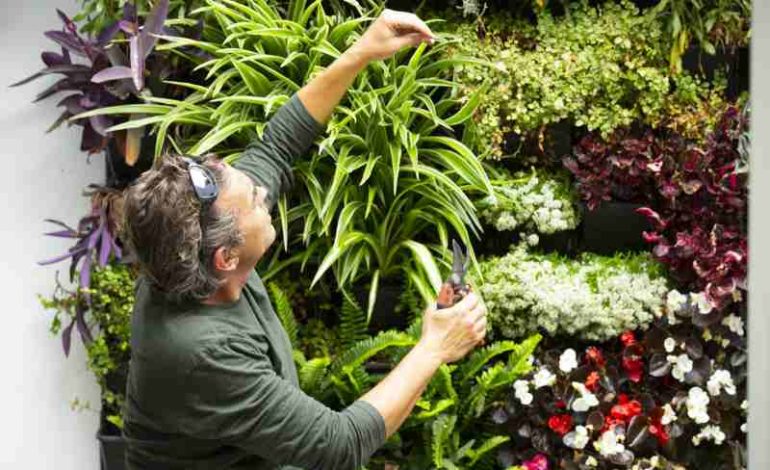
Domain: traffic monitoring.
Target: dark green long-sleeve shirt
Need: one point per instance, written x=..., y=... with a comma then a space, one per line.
x=216, y=386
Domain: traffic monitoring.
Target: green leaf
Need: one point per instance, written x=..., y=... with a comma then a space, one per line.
x=426, y=261
x=258, y=84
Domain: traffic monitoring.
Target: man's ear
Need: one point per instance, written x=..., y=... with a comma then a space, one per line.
x=226, y=260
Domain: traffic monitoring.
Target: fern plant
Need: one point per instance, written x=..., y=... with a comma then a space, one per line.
x=447, y=427
x=388, y=183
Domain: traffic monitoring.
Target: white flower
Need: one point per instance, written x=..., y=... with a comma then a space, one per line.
x=533, y=239
x=720, y=379
x=700, y=300
x=568, y=361
x=591, y=461
x=675, y=300
x=697, y=405
x=744, y=428
x=669, y=415
x=709, y=433
x=682, y=365
x=669, y=344
x=543, y=378
x=578, y=438
x=734, y=323
x=609, y=444
x=745, y=405
x=521, y=391
x=586, y=400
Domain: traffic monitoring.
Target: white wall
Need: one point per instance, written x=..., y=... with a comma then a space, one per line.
x=41, y=176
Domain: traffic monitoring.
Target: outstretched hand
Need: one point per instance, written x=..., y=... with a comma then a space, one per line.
x=391, y=32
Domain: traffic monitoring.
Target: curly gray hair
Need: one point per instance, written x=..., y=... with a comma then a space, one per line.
x=164, y=228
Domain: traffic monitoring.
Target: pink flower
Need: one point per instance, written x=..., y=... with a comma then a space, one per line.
x=538, y=462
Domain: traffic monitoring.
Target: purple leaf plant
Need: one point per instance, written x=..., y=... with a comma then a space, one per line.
x=96, y=244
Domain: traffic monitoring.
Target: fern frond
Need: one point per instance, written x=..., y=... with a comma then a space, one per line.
x=363, y=350
x=519, y=360
x=352, y=328
x=442, y=430
x=482, y=356
x=313, y=376
x=488, y=445
x=284, y=311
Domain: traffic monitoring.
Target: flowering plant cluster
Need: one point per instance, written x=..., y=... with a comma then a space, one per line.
x=669, y=398
x=592, y=297
x=696, y=198
x=534, y=202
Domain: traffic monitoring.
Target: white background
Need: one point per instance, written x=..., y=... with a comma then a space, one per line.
x=41, y=176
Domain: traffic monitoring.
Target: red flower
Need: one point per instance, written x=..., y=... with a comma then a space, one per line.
x=626, y=409
x=634, y=368
x=659, y=431
x=595, y=356
x=622, y=412
x=538, y=462
x=560, y=404
x=592, y=381
x=628, y=338
x=560, y=424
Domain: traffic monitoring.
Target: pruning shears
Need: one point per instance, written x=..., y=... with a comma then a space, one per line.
x=454, y=288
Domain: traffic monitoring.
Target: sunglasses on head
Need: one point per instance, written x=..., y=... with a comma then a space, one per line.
x=203, y=182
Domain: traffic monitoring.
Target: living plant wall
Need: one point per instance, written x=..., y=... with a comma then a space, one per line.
x=515, y=134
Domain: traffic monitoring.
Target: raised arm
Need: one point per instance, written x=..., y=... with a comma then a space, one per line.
x=390, y=32
x=291, y=131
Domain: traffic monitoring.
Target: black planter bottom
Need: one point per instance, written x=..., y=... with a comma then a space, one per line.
x=112, y=452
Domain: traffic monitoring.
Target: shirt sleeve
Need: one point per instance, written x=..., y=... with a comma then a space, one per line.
x=235, y=396
x=288, y=135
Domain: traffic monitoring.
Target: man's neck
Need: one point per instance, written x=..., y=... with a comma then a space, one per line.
x=228, y=292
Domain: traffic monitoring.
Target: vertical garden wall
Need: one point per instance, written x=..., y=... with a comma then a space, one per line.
x=593, y=157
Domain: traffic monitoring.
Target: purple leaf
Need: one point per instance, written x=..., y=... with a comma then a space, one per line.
x=128, y=27
x=61, y=257
x=100, y=124
x=65, y=69
x=62, y=234
x=66, y=338
x=51, y=58
x=129, y=11
x=91, y=141
x=59, y=121
x=118, y=72
x=104, y=248
x=80, y=321
x=67, y=41
x=115, y=248
x=152, y=27
x=72, y=104
x=85, y=273
x=137, y=62
x=108, y=33
x=59, y=223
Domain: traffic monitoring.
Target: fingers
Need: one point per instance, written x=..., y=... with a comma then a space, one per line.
x=408, y=23
x=468, y=303
x=413, y=39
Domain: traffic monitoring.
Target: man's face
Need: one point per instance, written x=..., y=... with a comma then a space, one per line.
x=247, y=201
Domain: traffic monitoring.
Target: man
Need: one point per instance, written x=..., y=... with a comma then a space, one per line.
x=212, y=383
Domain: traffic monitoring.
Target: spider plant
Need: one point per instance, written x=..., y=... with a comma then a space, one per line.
x=388, y=184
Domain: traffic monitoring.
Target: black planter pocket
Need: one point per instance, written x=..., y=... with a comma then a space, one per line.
x=112, y=451
x=119, y=174
x=614, y=227
x=386, y=314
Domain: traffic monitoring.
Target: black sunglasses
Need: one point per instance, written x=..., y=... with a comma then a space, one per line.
x=206, y=189
x=203, y=182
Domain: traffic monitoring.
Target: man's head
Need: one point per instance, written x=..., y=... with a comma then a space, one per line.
x=186, y=254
